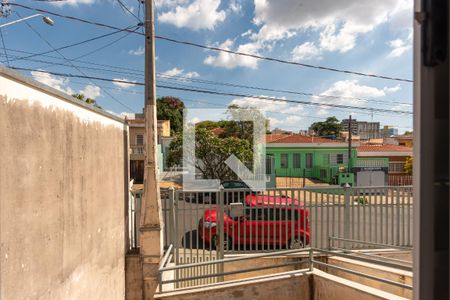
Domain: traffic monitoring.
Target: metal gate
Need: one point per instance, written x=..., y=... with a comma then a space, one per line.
x=278, y=219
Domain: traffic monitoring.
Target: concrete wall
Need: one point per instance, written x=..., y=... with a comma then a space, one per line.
x=63, y=189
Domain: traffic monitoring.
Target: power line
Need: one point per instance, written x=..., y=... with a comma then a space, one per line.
x=4, y=47
x=184, y=78
x=76, y=44
x=138, y=73
x=125, y=8
x=93, y=51
x=211, y=92
x=260, y=57
x=75, y=67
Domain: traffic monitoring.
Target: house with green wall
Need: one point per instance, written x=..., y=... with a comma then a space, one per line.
x=313, y=157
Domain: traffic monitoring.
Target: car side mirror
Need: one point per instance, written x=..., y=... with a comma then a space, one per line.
x=236, y=210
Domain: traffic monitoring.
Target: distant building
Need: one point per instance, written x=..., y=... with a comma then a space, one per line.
x=280, y=131
x=136, y=125
x=389, y=131
x=365, y=130
x=313, y=157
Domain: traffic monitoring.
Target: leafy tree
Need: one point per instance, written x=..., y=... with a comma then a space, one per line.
x=408, y=167
x=211, y=153
x=330, y=126
x=242, y=129
x=171, y=108
x=86, y=100
x=408, y=133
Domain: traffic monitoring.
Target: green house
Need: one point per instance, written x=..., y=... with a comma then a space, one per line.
x=298, y=155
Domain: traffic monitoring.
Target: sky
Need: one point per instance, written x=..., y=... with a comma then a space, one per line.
x=372, y=37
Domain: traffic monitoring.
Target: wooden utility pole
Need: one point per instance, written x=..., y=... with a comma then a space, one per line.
x=151, y=224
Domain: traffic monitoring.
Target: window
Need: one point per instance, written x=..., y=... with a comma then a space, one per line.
x=139, y=139
x=284, y=160
x=269, y=166
x=296, y=160
x=340, y=158
x=309, y=160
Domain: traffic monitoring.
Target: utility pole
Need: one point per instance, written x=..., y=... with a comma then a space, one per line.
x=151, y=223
x=349, y=143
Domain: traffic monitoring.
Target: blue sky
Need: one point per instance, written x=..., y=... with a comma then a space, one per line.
x=360, y=35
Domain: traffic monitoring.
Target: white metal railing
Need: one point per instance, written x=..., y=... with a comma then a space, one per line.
x=396, y=166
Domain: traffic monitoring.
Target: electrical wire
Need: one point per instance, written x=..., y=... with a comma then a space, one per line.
x=76, y=44
x=75, y=67
x=124, y=7
x=259, y=57
x=140, y=74
x=4, y=48
x=211, y=92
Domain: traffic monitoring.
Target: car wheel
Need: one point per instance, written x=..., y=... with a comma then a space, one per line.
x=296, y=243
x=227, y=243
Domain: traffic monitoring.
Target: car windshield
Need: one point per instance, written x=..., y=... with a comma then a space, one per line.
x=234, y=185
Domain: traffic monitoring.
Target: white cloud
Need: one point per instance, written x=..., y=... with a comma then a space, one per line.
x=392, y=89
x=266, y=105
x=306, y=51
x=231, y=61
x=235, y=6
x=351, y=93
x=340, y=21
x=198, y=14
x=139, y=51
x=55, y=82
x=180, y=72
x=399, y=47
x=123, y=85
x=91, y=91
x=170, y=3
x=72, y=2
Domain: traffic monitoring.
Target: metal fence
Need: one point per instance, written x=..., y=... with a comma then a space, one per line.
x=277, y=219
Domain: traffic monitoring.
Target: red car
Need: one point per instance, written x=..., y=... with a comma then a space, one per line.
x=259, y=220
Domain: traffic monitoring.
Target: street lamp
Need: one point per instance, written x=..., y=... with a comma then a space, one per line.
x=46, y=20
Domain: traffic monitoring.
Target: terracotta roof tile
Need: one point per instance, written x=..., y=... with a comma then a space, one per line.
x=298, y=139
x=273, y=137
x=383, y=148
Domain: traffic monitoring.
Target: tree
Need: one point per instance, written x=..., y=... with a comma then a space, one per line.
x=408, y=167
x=211, y=153
x=330, y=126
x=86, y=100
x=171, y=108
x=234, y=127
x=408, y=133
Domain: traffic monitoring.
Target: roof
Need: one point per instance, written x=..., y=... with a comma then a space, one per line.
x=217, y=131
x=384, y=150
x=275, y=136
x=300, y=139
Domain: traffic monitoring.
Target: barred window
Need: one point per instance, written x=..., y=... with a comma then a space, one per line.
x=296, y=160
x=284, y=160
x=309, y=160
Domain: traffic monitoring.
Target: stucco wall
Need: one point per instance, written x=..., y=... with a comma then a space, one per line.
x=63, y=187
